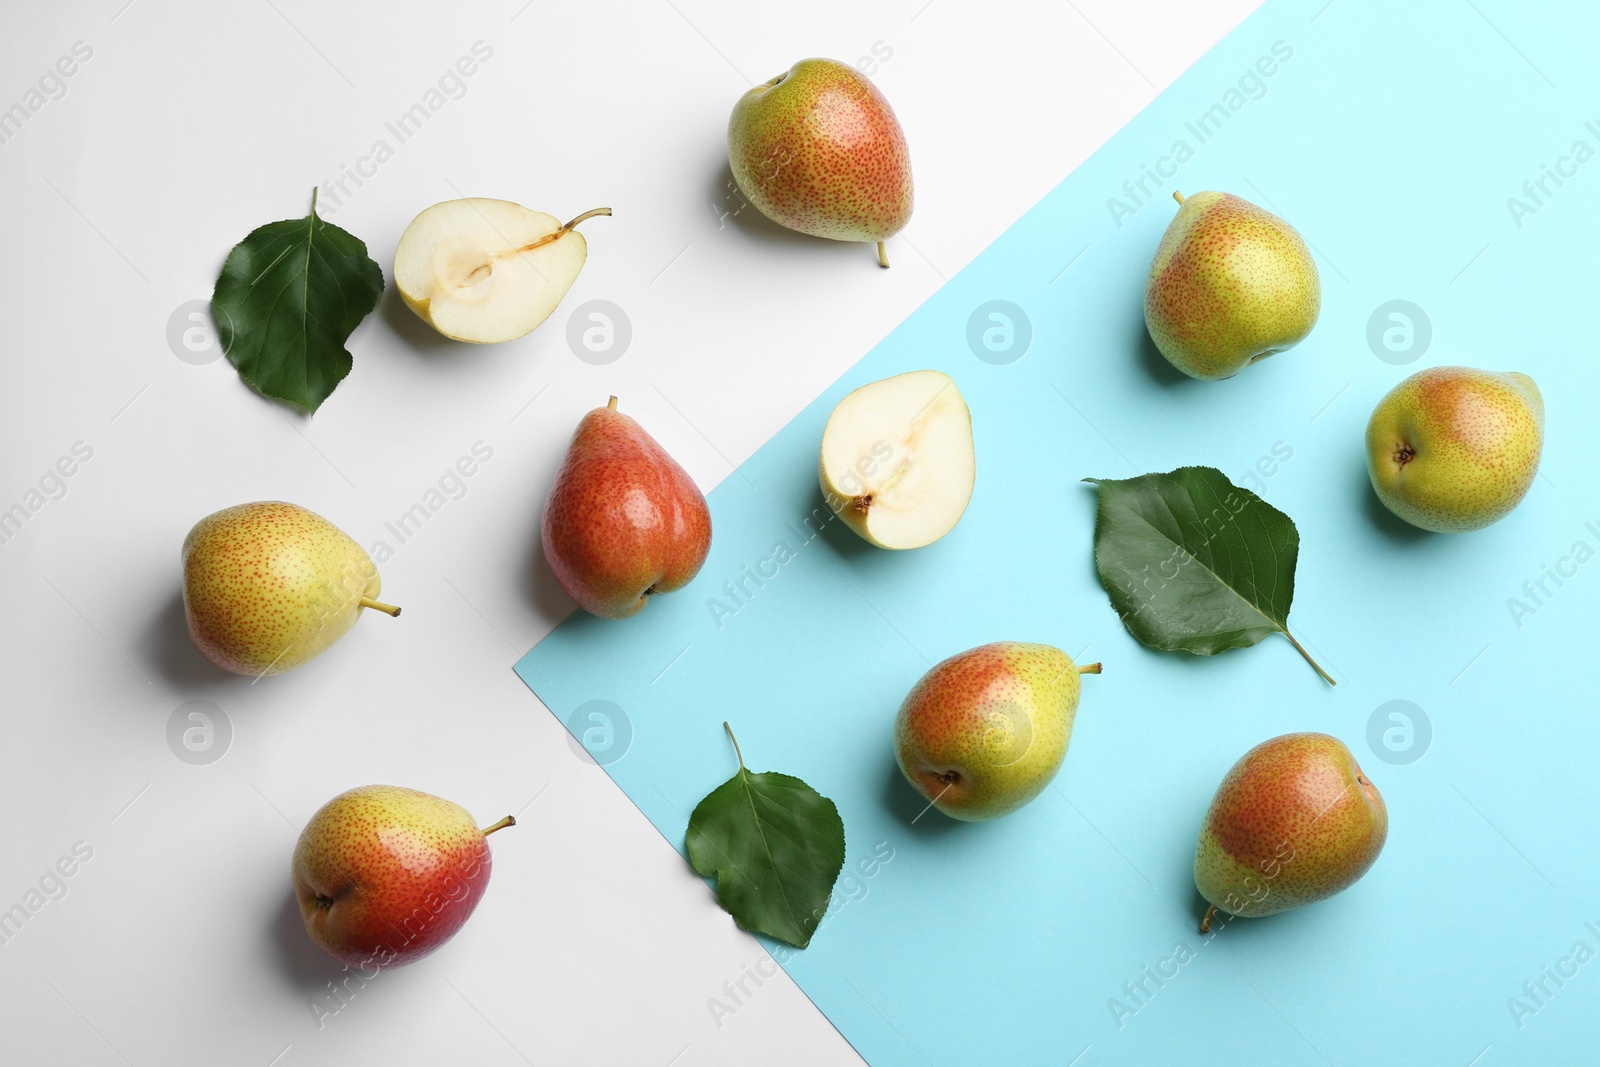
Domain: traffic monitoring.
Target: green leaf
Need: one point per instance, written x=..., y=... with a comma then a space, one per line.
x=775, y=846
x=1194, y=563
x=287, y=300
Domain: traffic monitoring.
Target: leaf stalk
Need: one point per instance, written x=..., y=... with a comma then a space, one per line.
x=735, y=741
x=1314, y=666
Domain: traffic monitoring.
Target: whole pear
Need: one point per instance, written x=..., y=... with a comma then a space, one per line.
x=385, y=875
x=1231, y=284
x=268, y=586
x=1452, y=449
x=984, y=732
x=623, y=522
x=1293, y=822
x=818, y=149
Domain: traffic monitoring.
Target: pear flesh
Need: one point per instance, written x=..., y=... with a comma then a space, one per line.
x=484, y=271
x=985, y=731
x=1294, y=822
x=1452, y=449
x=1231, y=284
x=897, y=461
x=270, y=586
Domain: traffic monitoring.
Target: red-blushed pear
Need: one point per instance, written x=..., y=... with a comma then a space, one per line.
x=818, y=149
x=1452, y=449
x=1231, y=284
x=985, y=731
x=623, y=522
x=385, y=875
x=1295, y=821
x=269, y=586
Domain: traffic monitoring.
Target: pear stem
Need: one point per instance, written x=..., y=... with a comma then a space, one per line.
x=1089, y=668
x=509, y=820
x=883, y=255
x=1307, y=655
x=1180, y=198
x=611, y=405
x=388, y=609
x=735, y=741
x=547, y=238
x=1205, y=923
x=587, y=215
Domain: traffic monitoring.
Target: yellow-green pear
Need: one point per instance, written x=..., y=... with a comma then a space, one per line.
x=1231, y=284
x=818, y=149
x=1452, y=448
x=1295, y=821
x=269, y=586
x=984, y=732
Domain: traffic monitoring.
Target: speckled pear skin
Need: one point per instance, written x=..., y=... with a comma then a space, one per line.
x=1295, y=821
x=269, y=586
x=1231, y=284
x=623, y=522
x=385, y=875
x=1452, y=449
x=986, y=730
x=819, y=150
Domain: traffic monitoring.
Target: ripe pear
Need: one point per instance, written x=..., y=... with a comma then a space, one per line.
x=818, y=149
x=1452, y=448
x=1293, y=822
x=623, y=522
x=1231, y=284
x=984, y=732
x=484, y=270
x=386, y=875
x=268, y=586
x=897, y=463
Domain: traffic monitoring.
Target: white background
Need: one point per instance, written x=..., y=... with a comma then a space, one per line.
x=191, y=124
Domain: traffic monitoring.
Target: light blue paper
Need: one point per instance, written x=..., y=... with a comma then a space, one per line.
x=1394, y=137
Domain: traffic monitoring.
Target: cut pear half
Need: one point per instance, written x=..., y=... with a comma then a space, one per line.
x=897, y=463
x=483, y=270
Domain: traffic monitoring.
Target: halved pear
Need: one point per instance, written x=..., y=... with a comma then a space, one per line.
x=897, y=463
x=485, y=270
